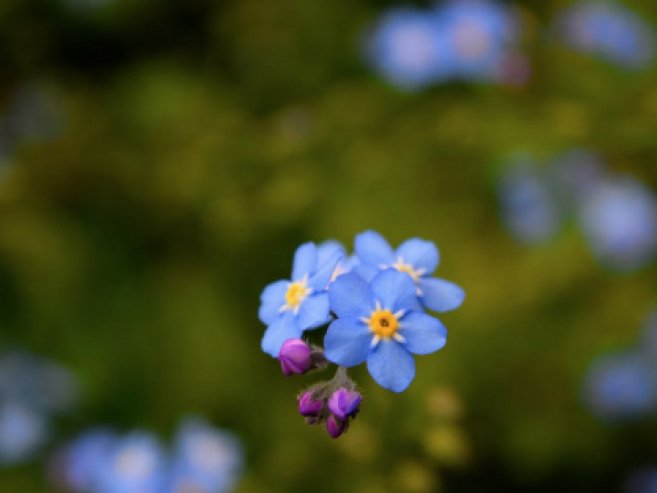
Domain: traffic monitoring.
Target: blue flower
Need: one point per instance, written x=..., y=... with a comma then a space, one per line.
x=528, y=205
x=206, y=459
x=135, y=465
x=290, y=307
x=23, y=430
x=621, y=386
x=610, y=31
x=416, y=257
x=479, y=34
x=331, y=248
x=377, y=323
x=407, y=48
x=84, y=457
x=619, y=220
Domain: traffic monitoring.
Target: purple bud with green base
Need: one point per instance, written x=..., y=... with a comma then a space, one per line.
x=295, y=357
x=344, y=403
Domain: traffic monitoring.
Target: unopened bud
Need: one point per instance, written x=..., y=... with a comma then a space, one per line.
x=295, y=357
x=309, y=407
x=335, y=426
x=344, y=403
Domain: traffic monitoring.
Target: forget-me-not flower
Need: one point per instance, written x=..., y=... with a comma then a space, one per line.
x=416, y=257
x=84, y=457
x=290, y=307
x=136, y=463
x=407, y=48
x=619, y=220
x=377, y=322
x=23, y=429
x=206, y=459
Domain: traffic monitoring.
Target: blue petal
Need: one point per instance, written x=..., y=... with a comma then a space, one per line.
x=314, y=311
x=271, y=300
x=305, y=261
x=367, y=272
x=424, y=334
x=372, y=249
x=320, y=280
x=326, y=250
x=351, y=296
x=347, y=342
x=391, y=365
x=394, y=290
x=281, y=330
x=440, y=295
x=420, y=254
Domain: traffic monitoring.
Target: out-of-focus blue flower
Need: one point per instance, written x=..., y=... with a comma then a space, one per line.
x=134, y=465
x=37, y=382
x=621, y=386
x=80, y=462
x=23, y=430
x=290, y=307
x=377, y=323
x=206, y=459
x=416, y=257
x=610, y=31
x=479, y=35
x=408, y=48
x=528, y=206
x=618, y=217
x=642, y=481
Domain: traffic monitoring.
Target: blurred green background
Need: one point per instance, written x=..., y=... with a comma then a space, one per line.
x=189, y=146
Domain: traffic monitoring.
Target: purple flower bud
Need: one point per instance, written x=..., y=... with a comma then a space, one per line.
x=335, y=426
x=295, y=357
x=344, y=403
x=308, y=407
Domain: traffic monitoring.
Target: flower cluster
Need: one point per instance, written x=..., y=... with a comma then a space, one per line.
x=32, y=390
x=617, y=214
x=470, y=40
x=374, y=304
x=205, y=460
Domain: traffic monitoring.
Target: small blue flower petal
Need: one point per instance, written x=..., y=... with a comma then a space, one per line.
x=271, y=301
x=420, y=254
x=367, y=272
x=372, y=249
x=327, y=249
x=305, y=261
x=314, y=311
x=440, y=295
x=394, y=290
x=281, y=330
x=320, y=279
x=351, y=296
x=424, y=334
x=391, y=365
x=347, y=341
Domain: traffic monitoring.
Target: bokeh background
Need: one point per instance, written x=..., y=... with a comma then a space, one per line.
x=161, y=161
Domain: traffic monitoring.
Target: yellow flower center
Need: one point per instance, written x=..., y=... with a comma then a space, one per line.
x=403, y=267
x=384, y=324
x=295, y=294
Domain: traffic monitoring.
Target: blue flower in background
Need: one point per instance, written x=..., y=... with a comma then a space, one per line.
x=416, y=257
x=642, y=481
x=206, y=459
x=23, y=429
x=377, y=323
x=330, y=248
x=479, y=35
x=407, y=47
x=290, y=307
x=621, y=386
x=135, y=465
x=619, y=220
x=528, y=205
x=610, y=31
x=83, y=458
